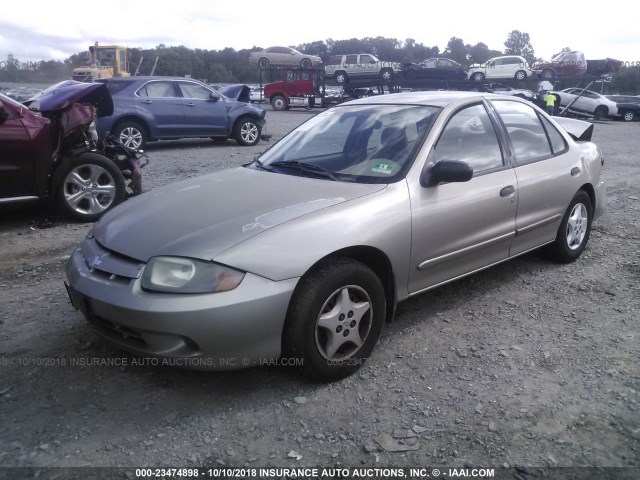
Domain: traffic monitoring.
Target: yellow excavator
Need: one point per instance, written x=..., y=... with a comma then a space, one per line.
x=103, y=61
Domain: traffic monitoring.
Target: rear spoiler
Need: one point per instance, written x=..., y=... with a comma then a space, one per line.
x=579, y=130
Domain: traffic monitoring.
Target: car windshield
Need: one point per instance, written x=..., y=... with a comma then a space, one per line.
x=356, y=143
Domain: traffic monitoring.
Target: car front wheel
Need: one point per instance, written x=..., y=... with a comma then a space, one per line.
x=477, y=77
x=574, y=230
x=520, y=75
x=335, y=319
x=89, y=186
x=386, y=75
x=279, y=103
x=341, y=77
x=247, y=132
x=601, y=112
x=131, y=134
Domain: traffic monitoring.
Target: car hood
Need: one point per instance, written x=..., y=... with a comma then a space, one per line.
x=239, y=92
x=204, y=216
x=64, y=94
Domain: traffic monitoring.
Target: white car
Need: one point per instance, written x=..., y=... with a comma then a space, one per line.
x=588, y=102
x=511, y=66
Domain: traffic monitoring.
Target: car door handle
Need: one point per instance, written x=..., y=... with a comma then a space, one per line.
x=575, y=171
x=507, y=191
x=148, y=102
x=190, y=104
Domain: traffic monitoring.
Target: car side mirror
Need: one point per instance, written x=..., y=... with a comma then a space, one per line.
x=214, y=96
x=446, y=171
x=4, y=115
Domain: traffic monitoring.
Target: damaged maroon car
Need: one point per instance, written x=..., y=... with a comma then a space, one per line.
x=49, y=150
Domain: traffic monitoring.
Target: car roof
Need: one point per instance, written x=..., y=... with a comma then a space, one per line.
x=436, y=99
x=144, y=78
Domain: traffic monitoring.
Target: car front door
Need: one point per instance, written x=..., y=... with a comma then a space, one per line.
x=160, y=100
x=16, y=153
x=203, y=115
x=458, y=228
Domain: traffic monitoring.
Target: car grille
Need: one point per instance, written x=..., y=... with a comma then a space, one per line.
x=105, y=264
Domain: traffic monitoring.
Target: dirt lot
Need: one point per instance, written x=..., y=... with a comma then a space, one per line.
x=528, y=364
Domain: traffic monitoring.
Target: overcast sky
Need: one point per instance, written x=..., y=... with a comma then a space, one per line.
x=39, y=30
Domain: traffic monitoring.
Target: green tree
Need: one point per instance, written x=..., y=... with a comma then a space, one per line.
x=457, y=50
x=480, y=53
x=519, y=43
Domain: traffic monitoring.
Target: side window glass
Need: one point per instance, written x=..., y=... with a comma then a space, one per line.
x=193, y=90
x=558, y=144
x=157, y=90
x=469, y=136
x=527, y=136
x=350, y=59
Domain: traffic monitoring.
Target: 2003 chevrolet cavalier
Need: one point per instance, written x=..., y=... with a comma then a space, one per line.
x=306, y=251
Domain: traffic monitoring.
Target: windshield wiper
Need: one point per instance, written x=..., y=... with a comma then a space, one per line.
x=261, y=165
x=306, y=167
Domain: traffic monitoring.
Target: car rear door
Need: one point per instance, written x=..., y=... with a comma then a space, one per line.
x=16, y=153
x=547, y=171
x=162, y=103
x=203, y=115
x=458, y=228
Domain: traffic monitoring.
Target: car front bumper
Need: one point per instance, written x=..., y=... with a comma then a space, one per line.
x=219, y=331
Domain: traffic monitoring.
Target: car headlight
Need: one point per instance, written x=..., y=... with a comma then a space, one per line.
x=187, y=275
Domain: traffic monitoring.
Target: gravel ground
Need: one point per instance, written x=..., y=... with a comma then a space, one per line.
x=529, y=364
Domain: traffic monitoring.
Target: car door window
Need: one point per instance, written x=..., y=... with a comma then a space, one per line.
x=469, y=136
x=365, y=59
x=558, y=143
x=157, y=90
x=431, y=63
x=350, y=59
x=528, y=137
x=193, y=90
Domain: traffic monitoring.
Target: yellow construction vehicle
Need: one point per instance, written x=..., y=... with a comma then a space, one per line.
x=103, y=61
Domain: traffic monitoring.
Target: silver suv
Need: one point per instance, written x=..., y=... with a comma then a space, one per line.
x=343, y=68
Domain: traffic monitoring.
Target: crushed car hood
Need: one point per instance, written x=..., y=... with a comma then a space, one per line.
x=207, y=215
x=239, y=92
x=62, y=95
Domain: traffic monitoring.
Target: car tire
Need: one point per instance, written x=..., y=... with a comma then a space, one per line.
x=263, y=63
x=386, y=75
x=628, y=116
x=341, y=77
x=520, y=75
x=88, y=186
x=131, y=134
x=247, y=132
x=334, y=319
x=279, y=103
x=575, y=228
x=477, y=77
x=601, y=112
x=548, y=74
x=305, y=63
